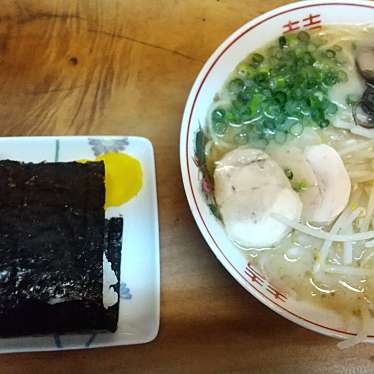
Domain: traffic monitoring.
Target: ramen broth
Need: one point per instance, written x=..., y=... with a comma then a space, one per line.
x=344, y=280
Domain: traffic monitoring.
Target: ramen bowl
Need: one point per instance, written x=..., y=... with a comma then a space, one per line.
x=306, y=15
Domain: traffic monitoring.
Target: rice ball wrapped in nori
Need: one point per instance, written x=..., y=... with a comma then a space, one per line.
x=53, y=235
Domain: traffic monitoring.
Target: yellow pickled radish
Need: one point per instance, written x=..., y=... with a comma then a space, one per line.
x=123, y=177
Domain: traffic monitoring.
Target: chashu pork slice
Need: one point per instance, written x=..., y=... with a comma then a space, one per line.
x=249, y=188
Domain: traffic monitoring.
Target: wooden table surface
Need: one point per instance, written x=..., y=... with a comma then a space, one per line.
x=126, y=67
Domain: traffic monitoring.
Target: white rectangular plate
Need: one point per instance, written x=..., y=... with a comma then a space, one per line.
x=140, y=265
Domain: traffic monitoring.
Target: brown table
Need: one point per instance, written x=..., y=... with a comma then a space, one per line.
x=126, y=67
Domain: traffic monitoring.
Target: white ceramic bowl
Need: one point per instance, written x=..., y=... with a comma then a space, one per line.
x=261, y=30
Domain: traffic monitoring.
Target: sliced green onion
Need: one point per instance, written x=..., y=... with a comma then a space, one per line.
x=282, y=90
x=282, y=42
x=330, y=53
x=325, y=103
x=236, y=85
x=267, y=93
x=219, y=128
x=292, y=40
x=264, y=68
x=317, y=114
x=324, y=123
x=299, y=186
x=312, y=47
x=246, y=116
x=342, y=76
x=245, y=95
x=231, y=117
x=331, y=109
x=269, y=124
x=246, y=71
x=352, y=99
x=297, y=93
x=292, y=107
x=304, y=108
x=272, y=110
x=308, y=58
x=319, y=95
x=303, y=36
x=256, y=57
x=260, y=78
x=330, y=78
x=288, y=123
x=319, y=41
x=280, y=119
x=255, y=102
x=277, y=54
x=218, y=114
x=238, y=107
x=280, y=97
x=298, y=80
x=297, y=129
x=278, y=82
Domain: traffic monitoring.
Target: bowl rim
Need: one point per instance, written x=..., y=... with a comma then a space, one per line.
x=186, y=158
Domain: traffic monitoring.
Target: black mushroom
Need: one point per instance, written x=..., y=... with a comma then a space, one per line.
x=365, y=67
x=368, y=101
x=365, y=63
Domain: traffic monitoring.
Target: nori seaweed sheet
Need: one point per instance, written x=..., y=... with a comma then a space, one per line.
x=52, y=237
x=113, y=245
x=113, y=237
